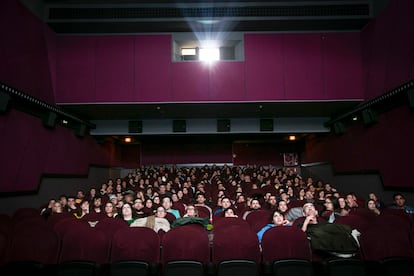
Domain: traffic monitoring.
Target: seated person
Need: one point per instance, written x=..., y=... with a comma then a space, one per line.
x=399, y=203
x=277, y=220
x=372, y=206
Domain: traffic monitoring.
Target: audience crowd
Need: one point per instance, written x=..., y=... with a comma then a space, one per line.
x=161, y=197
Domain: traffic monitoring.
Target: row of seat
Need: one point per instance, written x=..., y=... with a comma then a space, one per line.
x=234, y=246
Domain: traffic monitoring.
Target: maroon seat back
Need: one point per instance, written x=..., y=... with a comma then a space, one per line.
x=380, y=241
x=109, y=226
x=135, y=243
x=86, y=244
x=354, y=221
x=187, y=242
x=235, y=242
x=285, y=243
x=36, y=243
x=258, y=219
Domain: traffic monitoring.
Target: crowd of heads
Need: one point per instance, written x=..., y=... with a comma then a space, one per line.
x=226, y=191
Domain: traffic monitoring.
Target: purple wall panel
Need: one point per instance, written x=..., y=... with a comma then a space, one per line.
x=190, y=81
x=114, y=65
x=400, y=55
x=75, y=69
x=377, y=49
x=50, y=41
x=343, y=75
x=264, y=67
x=303, y=67
x=227, y=81
x=33, y=163
x=152, y=68
x=13, y=145
x=24, y=57
x=9, y=157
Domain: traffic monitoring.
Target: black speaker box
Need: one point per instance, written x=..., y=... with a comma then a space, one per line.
x=80, y=130
x=223, y=125
x=49, y=119
x=266, y=124
x=179, y=126
x=4, y=101
x=410, y=95
x=369, y=116
x=134, y=126
x=338, y=128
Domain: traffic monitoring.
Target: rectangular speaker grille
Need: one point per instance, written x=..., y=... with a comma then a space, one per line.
x=223, y=125
x=179, y=126
x=134, y=126
x=266, y=124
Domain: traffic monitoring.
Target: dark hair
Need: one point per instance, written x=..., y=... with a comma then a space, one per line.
x=273, y=213
x=398, y=194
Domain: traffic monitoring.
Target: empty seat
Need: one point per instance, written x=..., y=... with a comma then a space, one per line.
x=135, y=251
x=186, y=250
x=286, y=250
x=83, y=251
x=235, y=250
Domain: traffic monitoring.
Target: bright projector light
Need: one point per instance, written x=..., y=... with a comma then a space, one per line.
x=209, y=54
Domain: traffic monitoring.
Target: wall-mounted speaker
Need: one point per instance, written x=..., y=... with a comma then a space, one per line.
x=369, y=116
x=80, y=130
x=338, y=128
x=223, y=125
x=410, y=95
x=266, y=124
x=179, y=126
x=4, y=101
x=134, y=126
x=49, y=119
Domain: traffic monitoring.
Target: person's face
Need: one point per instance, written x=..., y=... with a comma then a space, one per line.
x=342, y=202
x=308, y=195
x=272, y=200
x=328, y=205
x=138, y=204
x=190, y=211
x=57, y=207
x=71, y=202
x=201, y=199
x=399, y=201
x=160, y=212
x=156, y=200
x=371, y=205
x=109, y=208
x=283, y=206
x=63, y=201
x=278, y=219
x=255, y=204
x=174, y=197
x=166, y=203
x=372, y=196
x=97, y=202
x=225, y=203
x=126, y=210
x=148, y=204
x=229, y=213
x=85, y=205
x=309, y=210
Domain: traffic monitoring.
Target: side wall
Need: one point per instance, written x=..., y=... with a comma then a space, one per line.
x=28, y=150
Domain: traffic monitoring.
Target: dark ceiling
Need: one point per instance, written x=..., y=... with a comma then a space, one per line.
x=138, y=16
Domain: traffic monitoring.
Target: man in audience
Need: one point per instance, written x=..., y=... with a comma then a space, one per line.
x=225, y=203
x=167, y=204
x=399, y=203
